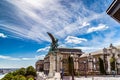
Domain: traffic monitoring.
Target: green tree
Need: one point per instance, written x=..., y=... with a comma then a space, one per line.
x=30, y=79
x=71, y=66
x=4, y=78
x=19, y=77
x=30, y=76
x=22, y=71
x=8, y=76
x=30, y=71
x=112, y=63
x=21, y=74
x=15, y=73
x=101, y=66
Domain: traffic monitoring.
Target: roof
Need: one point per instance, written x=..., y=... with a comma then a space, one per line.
x=99, y=52
x=113, y=5
x=118, y=47
x=114, y=10
x=40, y=61
x=69, y=50
x=84, y=55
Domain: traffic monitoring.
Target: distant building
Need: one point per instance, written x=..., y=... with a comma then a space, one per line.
x=114, y=10
x=7, y=70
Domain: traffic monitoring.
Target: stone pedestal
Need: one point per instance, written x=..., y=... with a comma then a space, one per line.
x=52, y=66
x=57, y=76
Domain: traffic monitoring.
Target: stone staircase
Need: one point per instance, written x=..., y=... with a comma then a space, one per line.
x=42, y=76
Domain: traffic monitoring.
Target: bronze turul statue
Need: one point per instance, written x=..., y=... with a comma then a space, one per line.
x=54, y=44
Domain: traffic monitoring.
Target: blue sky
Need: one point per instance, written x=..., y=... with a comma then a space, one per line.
x=80, y=24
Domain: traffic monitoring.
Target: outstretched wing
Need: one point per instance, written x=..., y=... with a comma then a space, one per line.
x=51, y=37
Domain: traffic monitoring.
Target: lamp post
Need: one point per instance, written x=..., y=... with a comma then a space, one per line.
x=85, y=67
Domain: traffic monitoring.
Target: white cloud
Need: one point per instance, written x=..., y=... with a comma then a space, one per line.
x=3, y=35
x=41, y=13
x=45, y=49
x=27, y=58
x=102, y=40
x=21, y=59
x=85, y=24
x=75, y=40
x=8, y=57
x=37, y=19
x=98, y=28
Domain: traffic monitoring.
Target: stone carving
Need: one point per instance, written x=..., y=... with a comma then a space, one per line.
x=54, y=44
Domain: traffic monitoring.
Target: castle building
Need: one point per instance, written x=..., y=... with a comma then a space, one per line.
x=84, y=64
x=39, y=65
x=60, y=60
x=89, y=63
x=112, y=52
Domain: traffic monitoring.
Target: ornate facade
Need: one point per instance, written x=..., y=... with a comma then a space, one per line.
x=39, y=65
x=84, y=64
x=112, y=52
x=59, y=60
x=89, y=63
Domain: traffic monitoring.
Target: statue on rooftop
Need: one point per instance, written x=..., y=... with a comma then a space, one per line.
x=54, y=43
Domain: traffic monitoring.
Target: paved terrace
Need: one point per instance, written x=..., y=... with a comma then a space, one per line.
x=94, y=78
x=41, y=76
